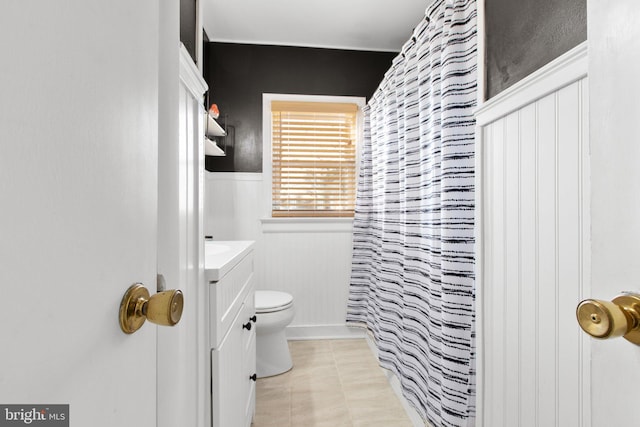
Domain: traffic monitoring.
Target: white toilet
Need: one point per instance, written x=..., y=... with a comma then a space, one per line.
x=274, y=311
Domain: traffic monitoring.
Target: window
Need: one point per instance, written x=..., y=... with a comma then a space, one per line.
x=314, y=150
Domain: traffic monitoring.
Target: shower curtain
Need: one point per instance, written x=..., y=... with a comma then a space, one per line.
x=412, y=280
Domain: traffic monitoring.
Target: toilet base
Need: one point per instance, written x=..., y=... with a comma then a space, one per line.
x=273, y=353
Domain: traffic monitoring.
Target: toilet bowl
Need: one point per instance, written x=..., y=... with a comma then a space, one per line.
x=274, y=311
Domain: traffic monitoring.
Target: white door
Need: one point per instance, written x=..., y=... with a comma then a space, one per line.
x=614, y=67
x=78, y=194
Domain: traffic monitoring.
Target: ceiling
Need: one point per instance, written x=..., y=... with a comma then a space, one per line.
x=379, y=25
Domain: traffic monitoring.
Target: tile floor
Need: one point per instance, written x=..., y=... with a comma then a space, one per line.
x=334, y=383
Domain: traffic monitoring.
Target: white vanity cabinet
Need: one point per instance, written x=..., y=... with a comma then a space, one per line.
x=233, y=340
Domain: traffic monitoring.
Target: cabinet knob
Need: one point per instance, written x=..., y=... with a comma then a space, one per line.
x=253, y=318
x=253, y=377
x=247, y=326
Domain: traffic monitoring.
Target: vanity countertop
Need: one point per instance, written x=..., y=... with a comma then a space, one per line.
x=221, y=256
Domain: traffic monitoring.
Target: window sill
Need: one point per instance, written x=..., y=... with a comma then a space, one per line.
x=307, y=225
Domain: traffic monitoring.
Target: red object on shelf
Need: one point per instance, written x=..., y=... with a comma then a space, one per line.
x=213, y=110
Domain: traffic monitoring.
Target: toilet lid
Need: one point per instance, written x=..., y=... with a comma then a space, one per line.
x=267, y=301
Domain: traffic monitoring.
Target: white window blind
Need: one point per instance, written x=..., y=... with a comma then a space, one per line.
x=314, y=159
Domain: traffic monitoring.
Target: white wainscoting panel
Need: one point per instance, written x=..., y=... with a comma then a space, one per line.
x=311, y=259
x=534, y=246
x=232, y=205
x=315, y=267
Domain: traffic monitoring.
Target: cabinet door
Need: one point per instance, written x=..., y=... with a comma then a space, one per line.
x=249, y=359
x=227, y=376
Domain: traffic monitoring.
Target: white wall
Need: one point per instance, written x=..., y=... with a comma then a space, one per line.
x=311, y=259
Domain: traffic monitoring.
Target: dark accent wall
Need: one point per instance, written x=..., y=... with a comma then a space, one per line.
x=524, y=35
x=238, y=75
x=188, y=26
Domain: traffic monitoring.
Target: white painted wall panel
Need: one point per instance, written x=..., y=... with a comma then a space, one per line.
x=315, y=268
x=232, y=205
x=510, y=145
x=547, y=264
x=569, y=234
x=495, y=298
x=528, y=277
x=534, y=177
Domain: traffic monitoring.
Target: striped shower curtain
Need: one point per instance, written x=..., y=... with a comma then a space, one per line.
x=412, y=280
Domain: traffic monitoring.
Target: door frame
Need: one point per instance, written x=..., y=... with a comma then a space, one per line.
x=183, y=358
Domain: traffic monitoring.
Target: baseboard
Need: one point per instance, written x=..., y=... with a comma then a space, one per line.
x=323, y=332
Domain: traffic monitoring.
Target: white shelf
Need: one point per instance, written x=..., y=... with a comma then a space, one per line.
x=212, y=149
x=212, y=128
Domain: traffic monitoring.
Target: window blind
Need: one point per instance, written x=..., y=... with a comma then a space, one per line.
x=313, y=159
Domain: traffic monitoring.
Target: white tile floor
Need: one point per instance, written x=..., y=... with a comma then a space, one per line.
x=334, y=383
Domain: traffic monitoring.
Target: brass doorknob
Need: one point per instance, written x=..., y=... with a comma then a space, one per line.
x=163, y=308
x=604, y=319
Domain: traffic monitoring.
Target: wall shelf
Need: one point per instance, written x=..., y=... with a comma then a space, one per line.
x=212, y=128
x=212, y=149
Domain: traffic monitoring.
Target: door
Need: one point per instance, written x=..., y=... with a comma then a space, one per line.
x=614, y=67
x=78, y=192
